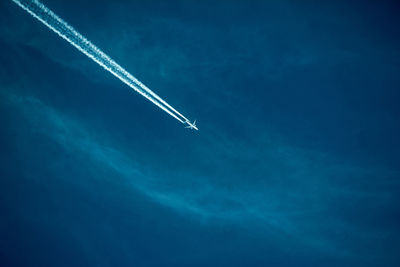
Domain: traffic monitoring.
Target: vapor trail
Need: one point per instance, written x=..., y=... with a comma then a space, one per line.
x=67, y=32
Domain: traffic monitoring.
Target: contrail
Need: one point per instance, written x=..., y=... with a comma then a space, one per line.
x=67, y=32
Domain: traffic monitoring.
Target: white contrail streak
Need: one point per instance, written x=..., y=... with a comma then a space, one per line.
x=67, y=32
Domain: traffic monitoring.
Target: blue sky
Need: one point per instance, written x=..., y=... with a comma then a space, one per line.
x=295, y=164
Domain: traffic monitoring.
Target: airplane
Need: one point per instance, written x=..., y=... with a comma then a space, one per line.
x=192, y=125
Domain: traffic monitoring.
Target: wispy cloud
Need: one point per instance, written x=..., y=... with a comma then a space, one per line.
x=300, y=195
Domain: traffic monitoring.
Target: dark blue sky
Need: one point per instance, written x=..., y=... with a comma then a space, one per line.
x=296, y=162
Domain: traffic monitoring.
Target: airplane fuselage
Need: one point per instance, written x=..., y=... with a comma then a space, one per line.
x=191, y=125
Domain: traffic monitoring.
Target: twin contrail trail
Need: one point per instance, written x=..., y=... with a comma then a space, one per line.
x=67, y=32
